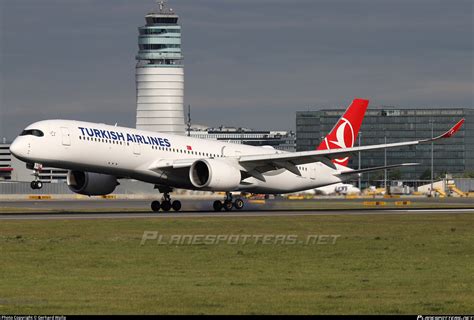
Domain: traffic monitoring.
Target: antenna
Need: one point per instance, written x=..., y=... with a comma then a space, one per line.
x=162, y=5
x=189, y=120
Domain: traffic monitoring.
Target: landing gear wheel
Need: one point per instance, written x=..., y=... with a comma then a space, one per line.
x=36, y=184
x=166, y=205
x=176, y=205
x=217, y=205
x=155, y=206
x=239, y=204
x=228, y=205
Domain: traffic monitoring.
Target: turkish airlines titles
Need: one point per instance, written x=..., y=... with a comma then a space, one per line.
x=127, y=137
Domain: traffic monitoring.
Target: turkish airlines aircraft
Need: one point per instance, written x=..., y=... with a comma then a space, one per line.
x=338, y=188
x=97, y=155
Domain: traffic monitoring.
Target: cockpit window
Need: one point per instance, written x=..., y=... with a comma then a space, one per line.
x=32, y=132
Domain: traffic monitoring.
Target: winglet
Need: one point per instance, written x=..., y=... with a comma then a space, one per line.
x=450, y=132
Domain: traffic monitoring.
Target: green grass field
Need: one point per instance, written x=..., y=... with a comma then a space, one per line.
x=415, y=264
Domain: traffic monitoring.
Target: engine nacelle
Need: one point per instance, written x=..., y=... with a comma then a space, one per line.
x=212, y=174
x=91, y=184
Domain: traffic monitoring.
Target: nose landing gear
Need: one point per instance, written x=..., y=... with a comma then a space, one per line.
x=35, y=184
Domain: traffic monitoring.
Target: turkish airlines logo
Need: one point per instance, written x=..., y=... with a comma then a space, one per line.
x=344, y=138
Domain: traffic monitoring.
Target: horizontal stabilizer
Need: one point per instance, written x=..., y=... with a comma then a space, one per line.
x=349, y=172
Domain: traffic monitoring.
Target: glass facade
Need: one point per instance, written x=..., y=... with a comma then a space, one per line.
x=5, y=162
x=280, y=140
x=453, y=156
x=159, y=41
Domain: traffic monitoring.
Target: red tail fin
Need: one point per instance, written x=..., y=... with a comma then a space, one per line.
x=345, y=132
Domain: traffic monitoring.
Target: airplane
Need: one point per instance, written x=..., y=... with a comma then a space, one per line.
x=98, y=155
x=338, y=188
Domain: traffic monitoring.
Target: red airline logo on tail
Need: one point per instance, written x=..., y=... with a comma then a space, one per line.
x=344, y=133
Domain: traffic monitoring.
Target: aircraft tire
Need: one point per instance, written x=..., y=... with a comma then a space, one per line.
x=166, y=205
x=217, y=205
x=155, y=206
x=238, y=204
x=228, y=205
x=176, y=205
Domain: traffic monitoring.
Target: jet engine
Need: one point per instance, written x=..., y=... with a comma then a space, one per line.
x=212, y=174
x=91, y=184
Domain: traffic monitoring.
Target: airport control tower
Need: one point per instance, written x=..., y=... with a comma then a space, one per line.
x=159, y=73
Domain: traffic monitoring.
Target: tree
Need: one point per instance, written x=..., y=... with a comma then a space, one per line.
x=468, y=174
x=426, y=175
x=395, y=175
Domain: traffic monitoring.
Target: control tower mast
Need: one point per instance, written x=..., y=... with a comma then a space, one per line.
x=159, y=73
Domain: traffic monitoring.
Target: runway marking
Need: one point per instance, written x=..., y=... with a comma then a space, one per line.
x=211, y=214
x=445, y=210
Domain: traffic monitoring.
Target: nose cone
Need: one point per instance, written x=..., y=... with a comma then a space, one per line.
x=17, y=148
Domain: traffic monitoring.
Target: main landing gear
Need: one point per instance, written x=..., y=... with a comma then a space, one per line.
x=35, y=184
x=227, y=204
x=166, y=204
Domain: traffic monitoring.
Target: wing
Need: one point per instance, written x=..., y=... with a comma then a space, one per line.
x=255, y=165
x=289, y=161
x=351, y=172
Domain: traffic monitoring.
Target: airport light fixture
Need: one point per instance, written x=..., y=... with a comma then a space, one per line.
x=385, y=164
x=432, y=158
x=360, y=180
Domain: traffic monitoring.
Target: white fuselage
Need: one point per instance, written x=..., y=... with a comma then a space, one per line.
x=130, y=153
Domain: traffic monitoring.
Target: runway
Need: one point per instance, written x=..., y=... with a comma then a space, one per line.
x=140, y=209
x=212, y=214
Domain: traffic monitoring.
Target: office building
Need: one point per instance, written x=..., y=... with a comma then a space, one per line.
x=453, y=156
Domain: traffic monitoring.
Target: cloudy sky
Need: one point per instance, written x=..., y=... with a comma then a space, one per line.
x=247, y=63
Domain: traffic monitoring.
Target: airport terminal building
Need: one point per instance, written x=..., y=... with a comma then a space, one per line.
x=280, y=140
x=453, y=156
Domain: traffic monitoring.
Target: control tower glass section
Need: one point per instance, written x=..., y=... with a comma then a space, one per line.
x=159, y=41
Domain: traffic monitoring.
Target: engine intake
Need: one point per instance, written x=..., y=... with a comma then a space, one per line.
x=91, y=184
x=212, y=174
